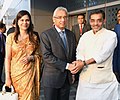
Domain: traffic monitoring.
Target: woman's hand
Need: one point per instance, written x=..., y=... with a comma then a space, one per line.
x=27, y=59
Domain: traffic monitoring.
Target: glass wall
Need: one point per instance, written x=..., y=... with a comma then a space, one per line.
x=110, y=12
x=80, y=4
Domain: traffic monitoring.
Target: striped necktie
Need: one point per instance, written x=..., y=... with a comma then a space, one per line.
x=63, y=37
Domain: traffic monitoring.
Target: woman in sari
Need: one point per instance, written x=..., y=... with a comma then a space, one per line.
x=22, y=61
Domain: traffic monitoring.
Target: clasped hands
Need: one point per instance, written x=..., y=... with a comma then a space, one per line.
x=75, y=66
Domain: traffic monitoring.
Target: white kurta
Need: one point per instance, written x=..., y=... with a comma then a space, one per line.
x=93, y=84
x=89, y=91
x=119, y=91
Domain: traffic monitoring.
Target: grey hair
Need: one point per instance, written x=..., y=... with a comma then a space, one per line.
x=59, y=8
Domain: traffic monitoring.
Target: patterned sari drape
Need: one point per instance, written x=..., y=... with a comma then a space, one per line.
x=25, y=78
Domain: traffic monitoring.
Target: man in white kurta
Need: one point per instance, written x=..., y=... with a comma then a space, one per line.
x=94, y=55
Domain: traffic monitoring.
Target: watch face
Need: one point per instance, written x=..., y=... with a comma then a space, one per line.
x=84, y=63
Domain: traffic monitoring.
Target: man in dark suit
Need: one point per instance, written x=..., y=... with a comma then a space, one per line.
x=58, y=53
x=12, y=29
x=2, y=50
x=80, y=28
x=116, y=55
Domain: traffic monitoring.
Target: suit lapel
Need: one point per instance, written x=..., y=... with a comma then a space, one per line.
x=78, y=29
x=58, y=39
x=84, y=29
x=68, y=41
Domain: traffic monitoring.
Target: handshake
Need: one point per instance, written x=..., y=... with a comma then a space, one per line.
x=75, y=66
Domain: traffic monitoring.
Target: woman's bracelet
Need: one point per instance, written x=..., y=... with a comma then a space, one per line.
x=31, y=58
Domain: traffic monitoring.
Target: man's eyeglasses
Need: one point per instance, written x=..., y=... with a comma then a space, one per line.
x=60, y=17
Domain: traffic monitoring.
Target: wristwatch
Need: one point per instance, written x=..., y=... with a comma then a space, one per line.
x=85, y=64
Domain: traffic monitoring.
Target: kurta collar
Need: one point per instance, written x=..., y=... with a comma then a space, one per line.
x=100, y=31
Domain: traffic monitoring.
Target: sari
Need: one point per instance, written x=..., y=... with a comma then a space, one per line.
x=25, y=77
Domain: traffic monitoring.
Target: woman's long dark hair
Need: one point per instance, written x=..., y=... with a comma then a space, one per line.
x=29, y=30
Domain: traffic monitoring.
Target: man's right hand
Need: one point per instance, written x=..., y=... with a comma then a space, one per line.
x=71, y=67
x=77, y=66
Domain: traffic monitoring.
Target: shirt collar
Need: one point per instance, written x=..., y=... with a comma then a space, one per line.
x=80, y=25
x=100, y=31
x=59, y=30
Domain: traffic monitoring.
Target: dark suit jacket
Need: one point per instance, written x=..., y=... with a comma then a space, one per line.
x=55, y=58
x=76, y=30
x=10, y=30
x=1, y=55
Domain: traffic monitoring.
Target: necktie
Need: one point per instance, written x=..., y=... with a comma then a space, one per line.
x=81, y=29
x=63, y=36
